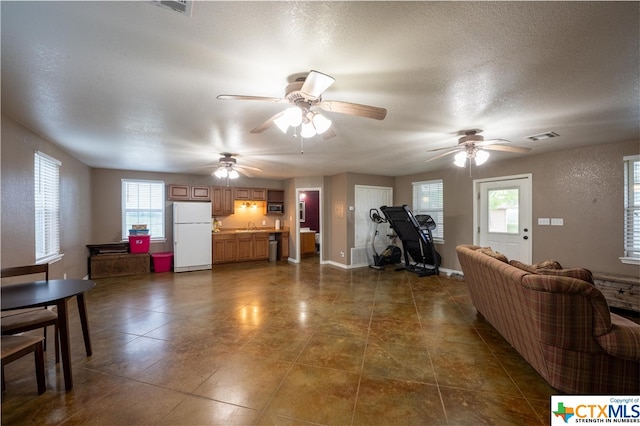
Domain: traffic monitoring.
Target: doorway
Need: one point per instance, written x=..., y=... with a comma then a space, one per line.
x=308, y=223
x=503, y=215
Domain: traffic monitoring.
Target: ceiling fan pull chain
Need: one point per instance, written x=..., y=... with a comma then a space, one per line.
x=301, y=145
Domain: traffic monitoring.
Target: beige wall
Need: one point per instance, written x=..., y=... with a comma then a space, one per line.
x=18, y=211
x=583, y=186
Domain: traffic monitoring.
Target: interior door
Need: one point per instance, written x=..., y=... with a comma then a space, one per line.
x=503, y=215
x=367, y=198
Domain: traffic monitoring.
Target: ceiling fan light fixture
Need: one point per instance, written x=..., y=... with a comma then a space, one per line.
x=221, y=173
x=481, y=156
x=460, y=159
x=233, y=174
x=293, y=116
x=321, y=123
x=282, y=122
x=307, y=130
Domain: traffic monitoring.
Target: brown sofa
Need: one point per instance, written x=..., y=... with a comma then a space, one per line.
x=560, y=324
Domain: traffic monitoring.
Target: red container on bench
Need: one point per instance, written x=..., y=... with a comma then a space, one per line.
x=139, y=243
x=162, y=261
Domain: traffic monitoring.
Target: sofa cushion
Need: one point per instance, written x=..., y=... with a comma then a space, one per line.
x=489, y=252
x=578, y=273
x=533, y=269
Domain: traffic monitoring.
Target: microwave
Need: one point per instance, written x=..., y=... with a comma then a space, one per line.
x=275, y=208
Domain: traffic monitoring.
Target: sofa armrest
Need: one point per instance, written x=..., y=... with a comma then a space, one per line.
x=623, y=341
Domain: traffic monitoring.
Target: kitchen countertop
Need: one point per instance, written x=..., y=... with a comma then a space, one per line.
x=227, y=231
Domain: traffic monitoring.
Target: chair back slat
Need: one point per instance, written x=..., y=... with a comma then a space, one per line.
x=25, y=270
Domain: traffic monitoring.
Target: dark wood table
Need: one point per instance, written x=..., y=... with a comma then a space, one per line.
x=53, y=292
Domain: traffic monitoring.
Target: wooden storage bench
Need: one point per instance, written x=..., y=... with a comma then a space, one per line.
x=116, y=265
x=620, y=291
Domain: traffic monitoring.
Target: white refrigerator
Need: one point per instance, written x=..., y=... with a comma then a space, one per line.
x=191, y=236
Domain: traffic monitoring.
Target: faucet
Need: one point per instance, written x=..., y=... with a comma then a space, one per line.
x=251, y=226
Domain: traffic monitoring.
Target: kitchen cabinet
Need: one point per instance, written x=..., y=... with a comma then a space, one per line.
x=275, y=195
x=307, y=243
x=189, y=193
x=260, y=246
x=283, y=245
x=244, y=246
x=221, y=201
x=223, y=248
x=251, y=194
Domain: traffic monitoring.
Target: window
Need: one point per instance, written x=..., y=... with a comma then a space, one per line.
x=428, y=198
x=47, y=207
x=143, y=204
x=631, y=210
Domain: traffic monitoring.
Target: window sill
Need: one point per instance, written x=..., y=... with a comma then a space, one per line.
x=630, y=260
x=49, y=259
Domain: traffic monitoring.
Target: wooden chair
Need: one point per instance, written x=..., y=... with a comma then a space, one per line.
x=15, y=347
x=19, y=321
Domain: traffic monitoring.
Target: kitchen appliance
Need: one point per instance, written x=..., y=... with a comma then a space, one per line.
x=275, y=208
x=191, y=236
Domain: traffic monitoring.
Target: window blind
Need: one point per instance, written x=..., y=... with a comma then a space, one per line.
x=143, y=204
x=428, y=198
x=632, y=206
x=47, y=206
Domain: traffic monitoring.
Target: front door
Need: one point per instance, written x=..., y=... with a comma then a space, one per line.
x=503, y=216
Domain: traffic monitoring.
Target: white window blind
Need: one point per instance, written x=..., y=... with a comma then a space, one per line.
x=632, y=206
x=47, y=206
x=428, y=198
x=143, y=204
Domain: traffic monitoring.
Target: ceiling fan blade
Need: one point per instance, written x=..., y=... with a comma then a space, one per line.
x=264, y=126
x=315, y=84
x=354, y=109
x=491, y=142
x=453, y=151
x=250, y=98
x=328, y=134
x=517, y=149
x=256, y=169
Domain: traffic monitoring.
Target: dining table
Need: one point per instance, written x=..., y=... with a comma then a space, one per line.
x=53, y=293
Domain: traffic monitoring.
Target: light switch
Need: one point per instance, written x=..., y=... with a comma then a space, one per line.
x=557, y=221
x=543, y=221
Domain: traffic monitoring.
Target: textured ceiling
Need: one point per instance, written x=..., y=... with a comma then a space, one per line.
x=131, y=85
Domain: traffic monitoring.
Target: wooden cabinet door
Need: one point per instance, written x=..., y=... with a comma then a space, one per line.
x=179, y=192
x=221, y=201
x=223, y=248
x=307, y=243
x=244, y=246
x=243, y=194
x=261, y=246
x=284, y=245
x=258, y=194
x=200, y=193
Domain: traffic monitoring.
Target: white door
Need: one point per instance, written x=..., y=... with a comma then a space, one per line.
x=367, y=198
x=503, y=216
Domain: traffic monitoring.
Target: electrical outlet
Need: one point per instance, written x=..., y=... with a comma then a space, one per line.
x=264, y=222
x=341, y=254
x=64, y=276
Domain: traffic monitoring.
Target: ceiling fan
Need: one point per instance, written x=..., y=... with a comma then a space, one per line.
x=473, y=146
x=227, y=167
x=304, y=95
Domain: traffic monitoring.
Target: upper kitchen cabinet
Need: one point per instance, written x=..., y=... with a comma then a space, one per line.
x=275, y=195
x=253, y=194
x=221, y=201
x=189, y=193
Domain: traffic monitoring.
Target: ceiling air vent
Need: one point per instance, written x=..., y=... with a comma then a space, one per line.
x=542, y=136
x=182, y=6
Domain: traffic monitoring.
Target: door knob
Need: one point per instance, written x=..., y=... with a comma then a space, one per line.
x=526, y=237
x=526, y=229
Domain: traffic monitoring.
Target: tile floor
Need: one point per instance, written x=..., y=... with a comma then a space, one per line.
x=277, y=343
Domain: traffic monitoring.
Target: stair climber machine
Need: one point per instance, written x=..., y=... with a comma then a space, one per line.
x=392, y=255
x=416, y=237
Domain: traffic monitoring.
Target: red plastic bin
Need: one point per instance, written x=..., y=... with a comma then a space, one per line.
x=139, y=243
x=162, y=261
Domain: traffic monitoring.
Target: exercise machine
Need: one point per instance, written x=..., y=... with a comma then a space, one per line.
x=420, y=255
x=391, y=255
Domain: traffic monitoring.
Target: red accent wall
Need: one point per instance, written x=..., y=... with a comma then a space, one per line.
x=312, y=210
